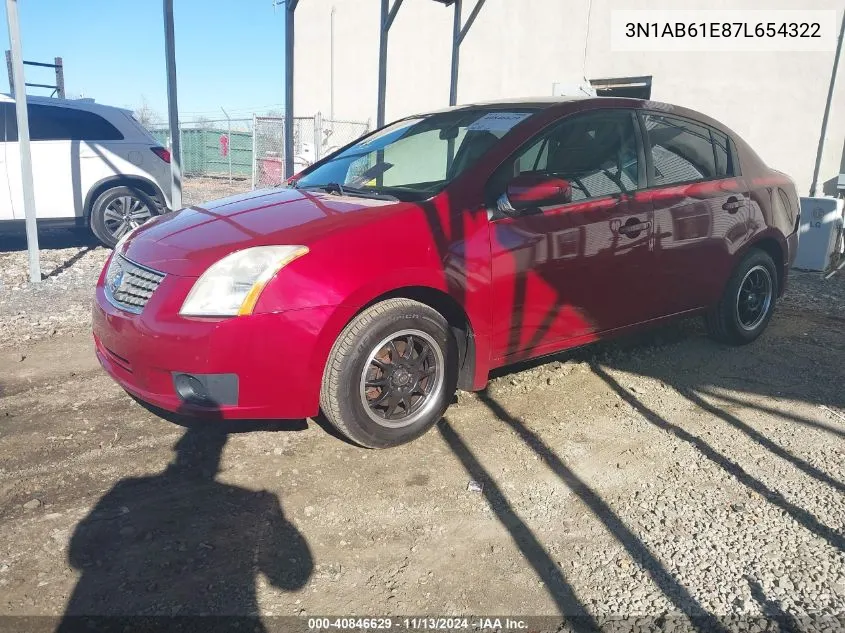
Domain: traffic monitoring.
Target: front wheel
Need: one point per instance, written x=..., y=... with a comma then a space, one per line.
x=748, y=301
x=391, y=374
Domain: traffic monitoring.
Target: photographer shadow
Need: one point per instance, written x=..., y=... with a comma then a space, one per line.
x=181, y=543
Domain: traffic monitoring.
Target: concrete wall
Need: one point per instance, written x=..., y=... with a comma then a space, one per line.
x=520, y=48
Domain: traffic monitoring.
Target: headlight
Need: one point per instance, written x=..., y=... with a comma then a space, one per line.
x=232, y=286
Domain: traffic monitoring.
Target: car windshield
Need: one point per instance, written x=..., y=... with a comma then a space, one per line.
x=416, y=157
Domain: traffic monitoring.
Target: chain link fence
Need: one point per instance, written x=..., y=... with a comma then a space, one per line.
x=225, y=156
x=214, y=147
x=313, y=138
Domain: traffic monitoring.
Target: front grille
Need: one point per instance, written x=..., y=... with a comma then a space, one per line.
x=130, y=286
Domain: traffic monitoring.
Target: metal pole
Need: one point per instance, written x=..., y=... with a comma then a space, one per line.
x=229, y=143
x=290, y=7
x=382, y=63
x=318, y=136
x=19, y=84
x=816, y=169
x=456, y=48
x=11, y=73
x=254, y=157
x=331, y=64
x=388, y=14
x=173, y=108
x=60, y=77
x=458, y=35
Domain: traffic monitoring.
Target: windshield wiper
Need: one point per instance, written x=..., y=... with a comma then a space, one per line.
x=334, y=187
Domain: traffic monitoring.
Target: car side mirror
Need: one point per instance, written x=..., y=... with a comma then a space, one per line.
x=528, y=191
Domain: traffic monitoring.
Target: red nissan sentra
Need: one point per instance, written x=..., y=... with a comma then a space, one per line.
x=415, y=260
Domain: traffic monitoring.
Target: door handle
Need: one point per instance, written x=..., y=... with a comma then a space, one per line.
x=633, y=227
x=733, y=204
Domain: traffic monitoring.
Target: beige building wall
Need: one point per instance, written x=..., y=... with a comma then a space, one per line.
x=522, y=48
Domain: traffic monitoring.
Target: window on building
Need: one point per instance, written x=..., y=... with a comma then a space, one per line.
x=52, y=123
x=596, y=153
x=681, y=151
x=631, y=87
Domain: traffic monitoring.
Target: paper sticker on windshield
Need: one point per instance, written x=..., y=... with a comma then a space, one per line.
x=498, y=121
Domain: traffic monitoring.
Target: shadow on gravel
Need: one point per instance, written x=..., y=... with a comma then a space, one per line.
x=772, y=608
x=182, y=543
x=531, y=548
x=674, y=591
x=813, y=424
x=763, y=441
x=49, y=239
x=69, y=262
x=212, y=421
x=802, y=516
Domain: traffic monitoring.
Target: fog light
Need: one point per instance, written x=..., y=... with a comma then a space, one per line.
x=190, y=389
x=207, y=390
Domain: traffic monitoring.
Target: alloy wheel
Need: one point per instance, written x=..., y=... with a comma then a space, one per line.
x=754, y=297
x=125, y=213
x=402, y=379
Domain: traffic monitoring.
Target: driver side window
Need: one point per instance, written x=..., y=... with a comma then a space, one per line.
x=595, y=152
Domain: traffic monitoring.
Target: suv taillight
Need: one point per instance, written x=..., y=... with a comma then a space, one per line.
x=162, y=152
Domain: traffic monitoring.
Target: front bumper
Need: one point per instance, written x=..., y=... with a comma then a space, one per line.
x=278, y=358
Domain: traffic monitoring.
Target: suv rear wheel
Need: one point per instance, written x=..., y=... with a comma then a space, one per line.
x=118, y=210
x=391, y=374
x=748, y=301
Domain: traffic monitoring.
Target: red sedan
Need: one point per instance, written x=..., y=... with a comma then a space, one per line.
x=415, y=260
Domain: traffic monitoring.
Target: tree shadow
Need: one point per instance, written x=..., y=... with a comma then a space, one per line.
x=181, y=543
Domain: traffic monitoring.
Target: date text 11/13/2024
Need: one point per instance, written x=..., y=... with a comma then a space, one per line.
x=417, y=624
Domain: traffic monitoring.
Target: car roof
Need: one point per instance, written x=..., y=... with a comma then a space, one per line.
x=79, y=104
x=533, y=103
x=586, y=102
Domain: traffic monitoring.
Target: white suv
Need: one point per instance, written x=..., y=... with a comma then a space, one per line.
x=93, y=166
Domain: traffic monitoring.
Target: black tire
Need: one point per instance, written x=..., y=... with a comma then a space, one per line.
x=101, y=225
x=354, y=355
x=726, y=321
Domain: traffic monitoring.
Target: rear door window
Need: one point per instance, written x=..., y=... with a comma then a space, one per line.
x=681, y=151
x=51, y=123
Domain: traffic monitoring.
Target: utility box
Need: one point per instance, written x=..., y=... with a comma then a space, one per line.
x=820, y=234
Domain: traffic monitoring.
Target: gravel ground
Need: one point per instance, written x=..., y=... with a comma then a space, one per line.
x=652, y=475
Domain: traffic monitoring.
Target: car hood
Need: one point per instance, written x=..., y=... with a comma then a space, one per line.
x=187, y=242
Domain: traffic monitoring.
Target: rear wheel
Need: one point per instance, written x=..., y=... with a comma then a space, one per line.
x=118, y=210
x=748, y=301
x=391, y=374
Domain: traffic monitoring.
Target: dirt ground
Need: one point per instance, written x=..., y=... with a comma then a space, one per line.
x=655, y=474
